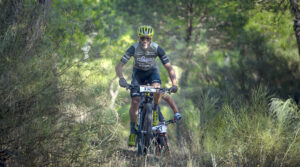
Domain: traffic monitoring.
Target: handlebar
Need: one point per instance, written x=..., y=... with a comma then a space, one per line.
x=171, y=121
x=147, y=88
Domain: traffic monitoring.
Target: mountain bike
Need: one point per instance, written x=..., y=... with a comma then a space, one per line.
x=147, y=135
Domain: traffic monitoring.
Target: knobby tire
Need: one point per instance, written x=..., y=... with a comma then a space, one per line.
x=147, y=126
x=163, y=145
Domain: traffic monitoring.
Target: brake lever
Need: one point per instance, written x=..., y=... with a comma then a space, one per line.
x=128, y=86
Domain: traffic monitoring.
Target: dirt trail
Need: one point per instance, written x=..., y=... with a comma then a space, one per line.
x=128, y=157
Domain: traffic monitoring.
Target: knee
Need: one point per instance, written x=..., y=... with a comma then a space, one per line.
x=135, y=101
x=156, y=85
x=166, y=97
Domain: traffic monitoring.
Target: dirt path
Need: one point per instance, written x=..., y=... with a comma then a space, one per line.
x=128, y=157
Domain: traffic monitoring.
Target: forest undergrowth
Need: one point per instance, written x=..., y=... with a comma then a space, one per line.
x=238, y=75
x=262, y=132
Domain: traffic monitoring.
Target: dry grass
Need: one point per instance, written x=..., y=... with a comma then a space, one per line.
x=179, y=156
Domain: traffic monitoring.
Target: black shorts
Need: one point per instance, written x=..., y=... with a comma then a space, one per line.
x=141, y=77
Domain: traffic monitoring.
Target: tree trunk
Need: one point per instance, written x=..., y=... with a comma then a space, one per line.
x=295, y=9
x=190, y=22
x=189, y=31
x=184, y=78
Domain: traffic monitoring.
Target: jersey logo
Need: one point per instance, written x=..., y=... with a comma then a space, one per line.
x=144, y=59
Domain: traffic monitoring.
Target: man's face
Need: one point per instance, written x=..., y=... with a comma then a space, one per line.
x=145, y=42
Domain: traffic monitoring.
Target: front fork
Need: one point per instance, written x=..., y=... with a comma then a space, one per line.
x=139, y=127
x=139, y=121
x=140, y=112
x=140, y=115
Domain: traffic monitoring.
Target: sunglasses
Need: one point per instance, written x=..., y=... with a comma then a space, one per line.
x=147, y=38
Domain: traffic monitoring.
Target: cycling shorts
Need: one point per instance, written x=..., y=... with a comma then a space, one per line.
x=141, y=77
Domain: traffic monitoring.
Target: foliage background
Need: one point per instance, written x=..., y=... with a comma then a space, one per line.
x=236, y=62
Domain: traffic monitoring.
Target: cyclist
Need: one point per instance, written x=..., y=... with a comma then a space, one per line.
x=145, y=69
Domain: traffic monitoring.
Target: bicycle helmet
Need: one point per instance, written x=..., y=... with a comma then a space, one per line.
x=145, y=30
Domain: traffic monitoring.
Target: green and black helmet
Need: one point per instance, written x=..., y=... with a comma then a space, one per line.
x=145, y=30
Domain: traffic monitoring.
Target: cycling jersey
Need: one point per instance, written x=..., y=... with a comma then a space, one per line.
x=145, y=59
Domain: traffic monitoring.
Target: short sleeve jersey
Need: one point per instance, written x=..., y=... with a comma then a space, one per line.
x=145, y=59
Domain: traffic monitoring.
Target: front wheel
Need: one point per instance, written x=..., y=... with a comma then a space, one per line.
x=147, y=126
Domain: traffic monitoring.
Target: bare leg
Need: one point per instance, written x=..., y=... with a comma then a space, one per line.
x=157, y=94
x=133, y=116
x=167, y=98
x=133, y=112
x=171, y=102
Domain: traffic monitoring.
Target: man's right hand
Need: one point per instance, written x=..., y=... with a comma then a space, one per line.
x=123, y=83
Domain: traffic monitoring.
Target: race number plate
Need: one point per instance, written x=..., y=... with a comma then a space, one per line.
x=159, y=129
x=147, y=89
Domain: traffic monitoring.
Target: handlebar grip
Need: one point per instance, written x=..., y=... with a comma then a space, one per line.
x=171, y=121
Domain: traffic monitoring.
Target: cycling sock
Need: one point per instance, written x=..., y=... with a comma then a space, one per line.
x=155, y=107
x=132, y=127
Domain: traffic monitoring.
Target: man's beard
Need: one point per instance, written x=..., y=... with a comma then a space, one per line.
x=145, y=46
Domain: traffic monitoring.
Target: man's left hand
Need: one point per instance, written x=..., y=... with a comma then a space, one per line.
x=174, y=89
x=177, y=116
